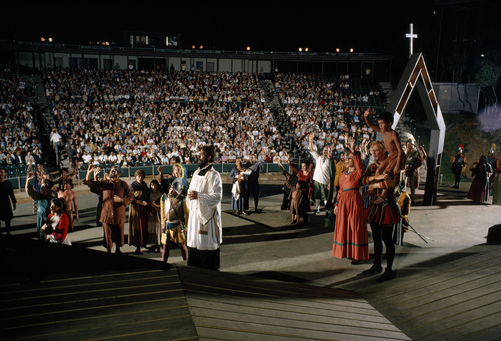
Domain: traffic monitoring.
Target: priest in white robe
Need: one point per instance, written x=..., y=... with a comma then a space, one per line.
x=205, y=230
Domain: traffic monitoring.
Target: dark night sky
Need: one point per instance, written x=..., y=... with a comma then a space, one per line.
x=367, y=26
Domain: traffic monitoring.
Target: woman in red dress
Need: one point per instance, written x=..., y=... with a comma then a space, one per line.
x=350, y=234
x=56, y=225
x=305, y=174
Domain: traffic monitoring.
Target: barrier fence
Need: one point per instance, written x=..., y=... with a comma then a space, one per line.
x=19, y=180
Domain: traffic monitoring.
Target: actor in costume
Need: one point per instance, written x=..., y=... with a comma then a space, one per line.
x=240, y=191
x=174, y=216
x=323, y=177
x=459, y=165
x=299, y=201
x=56, y=225
x=205, y=230
x=252, y=181
x=412, y=164
x=480, y=183
x=350, y=234
x=116, y=196
x=496, y=184
x=154, y=231
x=382, y=213
x=178, y=171
x=139, y=211
x=7, y=200
x=70, y=197
x=493, y=161
x=303, y=174
x=42, y=199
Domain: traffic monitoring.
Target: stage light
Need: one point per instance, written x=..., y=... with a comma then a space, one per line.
x=248, y=48
x=482, y=55
x=193, y=47
x=42, y=39
x=306, y=49
x=50, y=40
x=300, y=49
x=337, y=50
x=351, y=50
x=90, y=42
x=201, y=47
x=97, y=43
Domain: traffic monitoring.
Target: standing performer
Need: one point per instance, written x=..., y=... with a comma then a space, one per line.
x=494, y=162
x=174, y=216
x=323, y=177
x=240, y=191
x=139, y=211
x=381, y=214
x=412, y=164
x=6, y=204
x=252, y=180
x=71, y=201
x=459, y=165
x=42, y=199
x=350, y=234
x=205, y=230
x=116, y=196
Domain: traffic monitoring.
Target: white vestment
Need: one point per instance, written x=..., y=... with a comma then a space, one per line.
x=205, y=230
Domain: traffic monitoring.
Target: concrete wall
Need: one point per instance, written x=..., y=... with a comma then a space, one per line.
x=25, y=59
x=220, y=65
x=450, y=95
x=122, y=61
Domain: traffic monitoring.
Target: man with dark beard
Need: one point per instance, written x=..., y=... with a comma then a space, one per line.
x=205, y=230
x=116, y=196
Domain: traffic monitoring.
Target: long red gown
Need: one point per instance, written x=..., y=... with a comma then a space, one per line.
x=306, y=178
x=350, y=235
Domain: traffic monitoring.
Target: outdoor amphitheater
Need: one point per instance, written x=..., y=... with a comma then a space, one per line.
x=69, y=107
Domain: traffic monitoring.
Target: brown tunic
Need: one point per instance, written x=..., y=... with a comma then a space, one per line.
x=113, y=212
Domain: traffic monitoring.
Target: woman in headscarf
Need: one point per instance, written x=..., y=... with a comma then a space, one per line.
x=138, y=212
x=154, y=233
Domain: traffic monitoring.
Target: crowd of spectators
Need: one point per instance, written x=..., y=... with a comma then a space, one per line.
x=138, y=118
x=313, y=89
x=19, y=142
x=118, y=85
x=157, y=117
x=314, y=104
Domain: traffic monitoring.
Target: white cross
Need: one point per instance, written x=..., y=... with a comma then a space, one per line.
x=411, y=36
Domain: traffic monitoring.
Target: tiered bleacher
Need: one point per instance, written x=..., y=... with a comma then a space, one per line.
x=20, y=145
x=150, y=118
x=330, y=107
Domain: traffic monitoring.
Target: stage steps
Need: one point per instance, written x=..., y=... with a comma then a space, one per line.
x=91, y=295
x=457, y=300
x=233, y=307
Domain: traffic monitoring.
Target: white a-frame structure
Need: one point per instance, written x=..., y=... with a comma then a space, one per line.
x=416, y=76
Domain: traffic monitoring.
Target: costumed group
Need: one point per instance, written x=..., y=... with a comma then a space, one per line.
x=169, y=210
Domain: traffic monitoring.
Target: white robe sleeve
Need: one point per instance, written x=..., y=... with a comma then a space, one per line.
x=208, y=203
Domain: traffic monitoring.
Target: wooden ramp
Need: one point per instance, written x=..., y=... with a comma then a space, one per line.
x=233, y=307
x=459, y=300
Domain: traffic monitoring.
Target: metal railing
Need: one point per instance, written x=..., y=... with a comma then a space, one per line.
x=18, y=181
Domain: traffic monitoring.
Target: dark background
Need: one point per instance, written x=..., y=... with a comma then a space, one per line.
x=279, y=26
